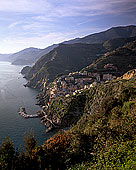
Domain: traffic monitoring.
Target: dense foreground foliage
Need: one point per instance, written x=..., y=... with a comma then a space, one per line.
x=103, y=138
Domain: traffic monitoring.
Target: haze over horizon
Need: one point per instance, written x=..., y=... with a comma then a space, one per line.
x=31, y=23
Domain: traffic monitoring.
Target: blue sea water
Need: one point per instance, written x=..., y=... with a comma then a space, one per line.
x=13, y=95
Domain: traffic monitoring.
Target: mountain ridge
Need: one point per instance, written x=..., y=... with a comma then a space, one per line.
x=63, y=59
x=39, y=73
x=32, y=56
x=29, y=55
x=108, y=34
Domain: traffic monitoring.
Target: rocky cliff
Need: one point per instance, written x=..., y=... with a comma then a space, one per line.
x=25, y=69
x=129, y=75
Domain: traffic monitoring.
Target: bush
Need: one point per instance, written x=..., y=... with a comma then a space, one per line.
x=29, y=142
x=7, y=154
x=128, y=106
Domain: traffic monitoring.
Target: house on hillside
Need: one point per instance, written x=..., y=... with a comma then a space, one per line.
x=94, y=75
x=110, y=67
x=107, y=77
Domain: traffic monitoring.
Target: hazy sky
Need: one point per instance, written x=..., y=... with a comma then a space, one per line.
x=40, y=23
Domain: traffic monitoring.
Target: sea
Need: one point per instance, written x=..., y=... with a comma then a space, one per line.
x=13, y=95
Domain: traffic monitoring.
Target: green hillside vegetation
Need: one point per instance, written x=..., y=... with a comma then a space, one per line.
x=116, y=43
x=63, y=59
x=65, y=111
x=104, y=137
x=124, y=58
x=97, y=128
x=74, y=57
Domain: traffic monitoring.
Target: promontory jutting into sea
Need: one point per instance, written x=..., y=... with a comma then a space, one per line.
x=60, y=71
x=78, y=96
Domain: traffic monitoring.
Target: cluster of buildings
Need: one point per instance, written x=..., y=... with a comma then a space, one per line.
x=75, y=82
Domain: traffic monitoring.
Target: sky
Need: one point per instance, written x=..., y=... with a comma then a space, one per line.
x=41, y=23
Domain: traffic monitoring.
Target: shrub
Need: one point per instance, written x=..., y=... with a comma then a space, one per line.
x=128, y=106
x=7, y=154
x=29, y=142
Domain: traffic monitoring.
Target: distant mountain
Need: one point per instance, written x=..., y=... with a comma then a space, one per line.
x=30, y=55
x=5, y=57
x=68, y=58
x=62, y=60
x=26, y=56
x=123, y=58
x=112, y=33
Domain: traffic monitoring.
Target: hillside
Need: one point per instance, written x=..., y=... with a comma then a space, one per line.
x=65, y=111
x=25, y=69
x=112, y=33
x=71, y=57
x=102, y=135
x=62, y=60
x=118, y=42
x=29, y=56
x=123, y=58
x=104, y=117
x=26, y=56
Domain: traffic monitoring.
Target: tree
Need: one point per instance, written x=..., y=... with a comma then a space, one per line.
x=7, y=154
x=29, y=142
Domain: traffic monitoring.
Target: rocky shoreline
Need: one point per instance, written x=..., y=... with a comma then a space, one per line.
x=44, y=117
x=61, y=112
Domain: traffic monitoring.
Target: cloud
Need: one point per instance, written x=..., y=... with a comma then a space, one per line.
x=65, y=8
x=98, y=7
x=50, y=10
x=41, y=23
x=37, y=26
x=24, y=6
x=14, y=24
x=43, y=18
